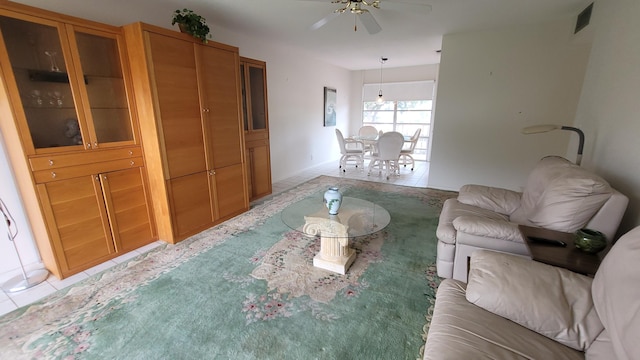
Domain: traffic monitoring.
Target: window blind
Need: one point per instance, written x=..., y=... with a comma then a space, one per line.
x=414, y=90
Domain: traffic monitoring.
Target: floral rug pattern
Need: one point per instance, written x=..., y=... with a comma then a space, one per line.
x=63, y=325
x=288, y=267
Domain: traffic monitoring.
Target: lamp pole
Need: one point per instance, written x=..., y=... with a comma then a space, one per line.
x=581, y=141
x=535, y=129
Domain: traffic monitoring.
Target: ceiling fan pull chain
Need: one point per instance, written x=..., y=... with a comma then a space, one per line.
x=355, y=23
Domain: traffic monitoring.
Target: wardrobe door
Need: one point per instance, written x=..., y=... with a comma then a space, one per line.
x=176, y=86
x=219, y=76
x=78, y=222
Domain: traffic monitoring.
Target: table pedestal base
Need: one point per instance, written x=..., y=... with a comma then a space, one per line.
x=339, y=265
x=335, y=254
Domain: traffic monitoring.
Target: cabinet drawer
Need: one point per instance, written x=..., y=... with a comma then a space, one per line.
x=56, y=161
x=63, y=173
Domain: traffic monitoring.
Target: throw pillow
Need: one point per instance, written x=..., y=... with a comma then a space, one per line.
x=552, y=301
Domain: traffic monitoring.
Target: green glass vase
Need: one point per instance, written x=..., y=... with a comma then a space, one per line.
x=590, y=241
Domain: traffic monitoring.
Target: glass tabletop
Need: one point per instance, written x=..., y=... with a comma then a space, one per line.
x=362, y=217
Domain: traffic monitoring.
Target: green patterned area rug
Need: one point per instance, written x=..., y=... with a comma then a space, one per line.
x=247, y=289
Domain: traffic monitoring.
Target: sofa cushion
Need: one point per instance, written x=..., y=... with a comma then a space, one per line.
x=461, y=330
x=488, y=228
x=601, y=348
x=453, y=209
x=500, y=200
x=616, y=295
x=549, y=167
x=561, y=196
x=555, y=302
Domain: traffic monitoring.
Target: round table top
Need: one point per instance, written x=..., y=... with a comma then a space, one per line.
x=362, y=217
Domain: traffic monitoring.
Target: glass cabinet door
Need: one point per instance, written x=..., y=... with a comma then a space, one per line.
x=105, y=86
x=256, y=86
x=71, y=84
x=40, y=71
x=253, y=95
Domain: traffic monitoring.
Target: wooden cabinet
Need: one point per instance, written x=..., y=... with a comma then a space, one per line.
x=72, y=141
x=93, y=217
x=188, y=96
x=256, y=126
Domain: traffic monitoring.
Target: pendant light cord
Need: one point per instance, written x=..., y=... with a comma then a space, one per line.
x=382, y=61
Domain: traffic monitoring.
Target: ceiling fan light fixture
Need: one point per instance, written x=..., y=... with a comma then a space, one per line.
x=355, y=7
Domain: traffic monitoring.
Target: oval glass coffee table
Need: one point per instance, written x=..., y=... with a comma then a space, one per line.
x=356, y=217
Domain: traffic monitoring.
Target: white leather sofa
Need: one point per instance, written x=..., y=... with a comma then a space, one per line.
x=515, y=308
x=558, y=195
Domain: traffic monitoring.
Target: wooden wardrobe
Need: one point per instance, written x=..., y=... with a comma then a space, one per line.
x=188, y=99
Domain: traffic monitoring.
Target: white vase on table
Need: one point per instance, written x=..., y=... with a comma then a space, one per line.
x=333, y=200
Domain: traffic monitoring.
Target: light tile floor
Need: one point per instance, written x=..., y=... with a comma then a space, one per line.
x=12, y=301
x=416, y=178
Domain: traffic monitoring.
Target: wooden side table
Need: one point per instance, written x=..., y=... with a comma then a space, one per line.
x=568, y=257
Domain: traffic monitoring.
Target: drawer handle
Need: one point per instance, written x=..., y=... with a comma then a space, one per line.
x=50, y=162
x=95, y=145
x=132, y=163
x=130, y=152
x=88, y=145
x=53, y=174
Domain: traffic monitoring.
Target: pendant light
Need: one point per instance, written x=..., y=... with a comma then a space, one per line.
x=380, y=97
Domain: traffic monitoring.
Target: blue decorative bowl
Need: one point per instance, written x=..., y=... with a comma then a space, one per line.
x=590, y=241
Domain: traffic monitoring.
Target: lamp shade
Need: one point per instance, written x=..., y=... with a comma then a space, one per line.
x=539, y=128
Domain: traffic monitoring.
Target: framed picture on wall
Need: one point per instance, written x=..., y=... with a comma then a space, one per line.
x=330, y=97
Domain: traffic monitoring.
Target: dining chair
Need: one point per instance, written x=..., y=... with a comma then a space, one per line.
x=387, y=153
x=406, y=152
x=368, y=131
x=368, y=135
x=350, y=154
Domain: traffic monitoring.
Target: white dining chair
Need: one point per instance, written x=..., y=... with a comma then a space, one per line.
x=368, y=135
x=387, y=154
x=354, y=153
x=407, y=152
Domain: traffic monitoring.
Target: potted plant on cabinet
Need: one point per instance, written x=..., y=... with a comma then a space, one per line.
x=191, y=23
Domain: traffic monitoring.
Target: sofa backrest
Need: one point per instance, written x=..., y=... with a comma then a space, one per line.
x=563, y=196
x=616, y=297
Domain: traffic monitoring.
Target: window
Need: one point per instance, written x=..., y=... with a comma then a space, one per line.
x=408, y=106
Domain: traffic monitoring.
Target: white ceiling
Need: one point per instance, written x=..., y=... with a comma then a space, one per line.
x=411, y=33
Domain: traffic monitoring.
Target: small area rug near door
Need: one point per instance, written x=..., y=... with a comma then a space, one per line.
x=246, y=289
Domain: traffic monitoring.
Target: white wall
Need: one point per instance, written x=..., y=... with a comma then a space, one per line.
x=491, y=85
x=609, y=107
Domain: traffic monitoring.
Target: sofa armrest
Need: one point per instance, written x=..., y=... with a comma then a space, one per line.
x=489, y=228
x=551, y=301
x=502, y=201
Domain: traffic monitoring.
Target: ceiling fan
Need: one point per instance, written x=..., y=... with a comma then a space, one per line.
x=357, y=7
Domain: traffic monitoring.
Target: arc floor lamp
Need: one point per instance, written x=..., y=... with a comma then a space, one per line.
x=550, y=127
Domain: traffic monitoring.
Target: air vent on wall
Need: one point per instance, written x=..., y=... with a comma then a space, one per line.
x=583, y=18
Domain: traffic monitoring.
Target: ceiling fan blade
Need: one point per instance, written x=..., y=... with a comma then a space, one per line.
x=412, y=2
x=320, y=23
x=369, y=22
